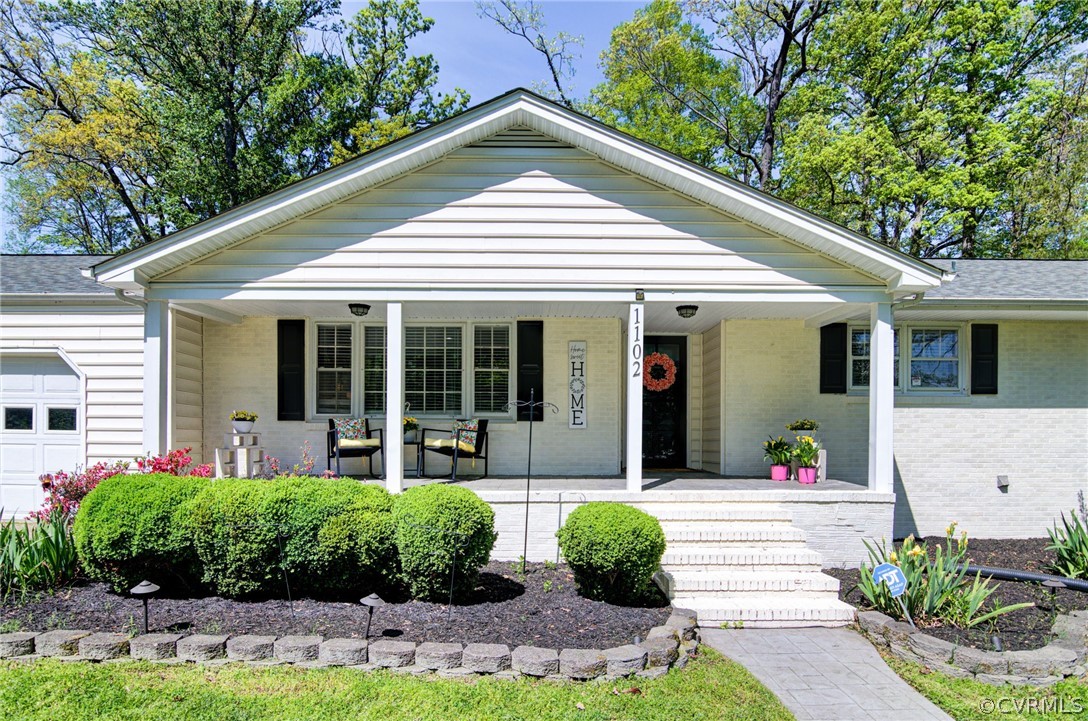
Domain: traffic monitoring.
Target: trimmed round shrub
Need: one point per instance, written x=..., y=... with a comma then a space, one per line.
x=329, y=536
x=442, y=529
x=130, y=527
x=613, y=550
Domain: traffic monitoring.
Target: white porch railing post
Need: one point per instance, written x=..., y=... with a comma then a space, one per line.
x=156, y=376
x=881, y=399
x=636, y=324
x=394, y=398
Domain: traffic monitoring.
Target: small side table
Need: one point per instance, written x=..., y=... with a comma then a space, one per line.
x=240, y=457
x=418, y=443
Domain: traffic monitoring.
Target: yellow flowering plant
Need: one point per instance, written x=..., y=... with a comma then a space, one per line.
x=938, y=587
x=243, y=416
x=806, y=451
x=410, y=423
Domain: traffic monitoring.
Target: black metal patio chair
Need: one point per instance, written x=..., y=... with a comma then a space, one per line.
x=354, y=438
x=456, y=444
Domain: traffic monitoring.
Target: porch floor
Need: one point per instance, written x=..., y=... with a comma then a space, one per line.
x=652, y=481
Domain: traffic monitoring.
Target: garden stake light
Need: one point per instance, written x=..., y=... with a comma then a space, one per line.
x=371, y=602
x=144, y=590
x=530, y=404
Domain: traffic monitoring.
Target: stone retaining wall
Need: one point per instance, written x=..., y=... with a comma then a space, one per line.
x=1064, y=656
x=665, y=647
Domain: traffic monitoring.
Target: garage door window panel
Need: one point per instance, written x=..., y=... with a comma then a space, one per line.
x=19, y=418
x=62, y=420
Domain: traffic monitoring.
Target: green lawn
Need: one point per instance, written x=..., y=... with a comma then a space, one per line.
x=968, y=700
x=711, y=687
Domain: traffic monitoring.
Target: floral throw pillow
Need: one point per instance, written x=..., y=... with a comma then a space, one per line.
x=350, y=428
x=468, y=431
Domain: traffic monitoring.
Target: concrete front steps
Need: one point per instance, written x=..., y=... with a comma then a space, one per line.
x=745, y=565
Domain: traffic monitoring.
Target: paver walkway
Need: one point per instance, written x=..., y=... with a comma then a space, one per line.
x=824, y=674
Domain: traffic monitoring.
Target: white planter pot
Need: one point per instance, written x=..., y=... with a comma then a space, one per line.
x=242, y=426
x=410, y=436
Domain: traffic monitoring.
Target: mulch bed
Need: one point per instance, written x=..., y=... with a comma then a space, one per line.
x=1024, y=629
x=541, y=608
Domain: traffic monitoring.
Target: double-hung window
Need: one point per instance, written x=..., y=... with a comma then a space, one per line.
x=860, y=345
x=334, y=368
x=930, y=360
x=491, y=368
x=934, y=358
x=433, y=369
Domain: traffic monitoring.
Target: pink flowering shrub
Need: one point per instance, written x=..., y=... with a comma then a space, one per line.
x=64, y=491
x=176, y=463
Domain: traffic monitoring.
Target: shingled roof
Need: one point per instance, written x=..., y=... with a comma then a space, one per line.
x=49, y=275
x=1013, y=280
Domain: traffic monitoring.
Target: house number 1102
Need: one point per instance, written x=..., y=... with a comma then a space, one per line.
x=636, y=343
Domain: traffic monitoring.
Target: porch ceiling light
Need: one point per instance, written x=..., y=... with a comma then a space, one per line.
x=686, y=311
x=358, y=308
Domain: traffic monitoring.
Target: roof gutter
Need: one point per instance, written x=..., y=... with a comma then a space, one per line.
x=130, y=299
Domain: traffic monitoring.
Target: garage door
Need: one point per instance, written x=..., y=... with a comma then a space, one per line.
x=40, y=399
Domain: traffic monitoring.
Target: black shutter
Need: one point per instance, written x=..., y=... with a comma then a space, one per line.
x=531, y=366
x=833, y=358
x=984, y=359
x=291, y=371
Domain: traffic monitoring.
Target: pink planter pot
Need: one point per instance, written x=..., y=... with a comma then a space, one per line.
x=806, y=475
x=780, y=473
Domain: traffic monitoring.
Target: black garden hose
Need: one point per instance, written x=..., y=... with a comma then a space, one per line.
x=1008, y=574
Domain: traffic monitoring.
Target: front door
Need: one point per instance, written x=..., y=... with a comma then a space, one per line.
x=664, y=402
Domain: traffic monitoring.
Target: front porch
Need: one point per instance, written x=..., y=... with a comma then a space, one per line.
x=834, y=516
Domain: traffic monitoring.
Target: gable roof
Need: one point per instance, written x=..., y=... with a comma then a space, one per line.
x=49, y=275
x=1019, y=280
x=136, y=268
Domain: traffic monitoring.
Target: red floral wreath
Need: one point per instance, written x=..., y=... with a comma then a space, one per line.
x=666, y=364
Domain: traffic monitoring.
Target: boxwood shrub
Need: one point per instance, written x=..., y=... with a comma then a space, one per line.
x=330, y=536
x=130, y=527
x=440, y=529
x=613, y=550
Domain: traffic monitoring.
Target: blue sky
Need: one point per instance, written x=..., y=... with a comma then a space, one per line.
x=476, y=54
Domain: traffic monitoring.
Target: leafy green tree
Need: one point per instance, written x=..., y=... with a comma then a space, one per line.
x=174, y=112
x=664, y=84
x=925, y=114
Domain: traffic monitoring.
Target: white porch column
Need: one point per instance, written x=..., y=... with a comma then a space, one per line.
x=394, y=398
x=636, y=322
x=881, y=399
x=156, y=376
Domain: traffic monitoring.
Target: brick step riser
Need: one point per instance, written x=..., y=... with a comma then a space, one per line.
x=712, y=588
x=762, y=543
x=727, y=567
x=667, y=516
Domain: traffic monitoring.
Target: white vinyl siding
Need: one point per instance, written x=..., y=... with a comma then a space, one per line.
x=106, y=343
x=712, y=400
x=498, y=215
x=188, y=385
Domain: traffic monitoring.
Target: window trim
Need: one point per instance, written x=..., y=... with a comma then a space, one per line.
x=468, y=376
x=901, y=387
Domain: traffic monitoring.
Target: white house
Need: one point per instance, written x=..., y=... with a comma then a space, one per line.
x=488, y=249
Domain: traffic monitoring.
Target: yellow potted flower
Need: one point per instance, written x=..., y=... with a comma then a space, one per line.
x=411, y=425
x=806, y=453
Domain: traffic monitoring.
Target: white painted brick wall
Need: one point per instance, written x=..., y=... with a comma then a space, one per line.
x=948, y=452
x=240, y=372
